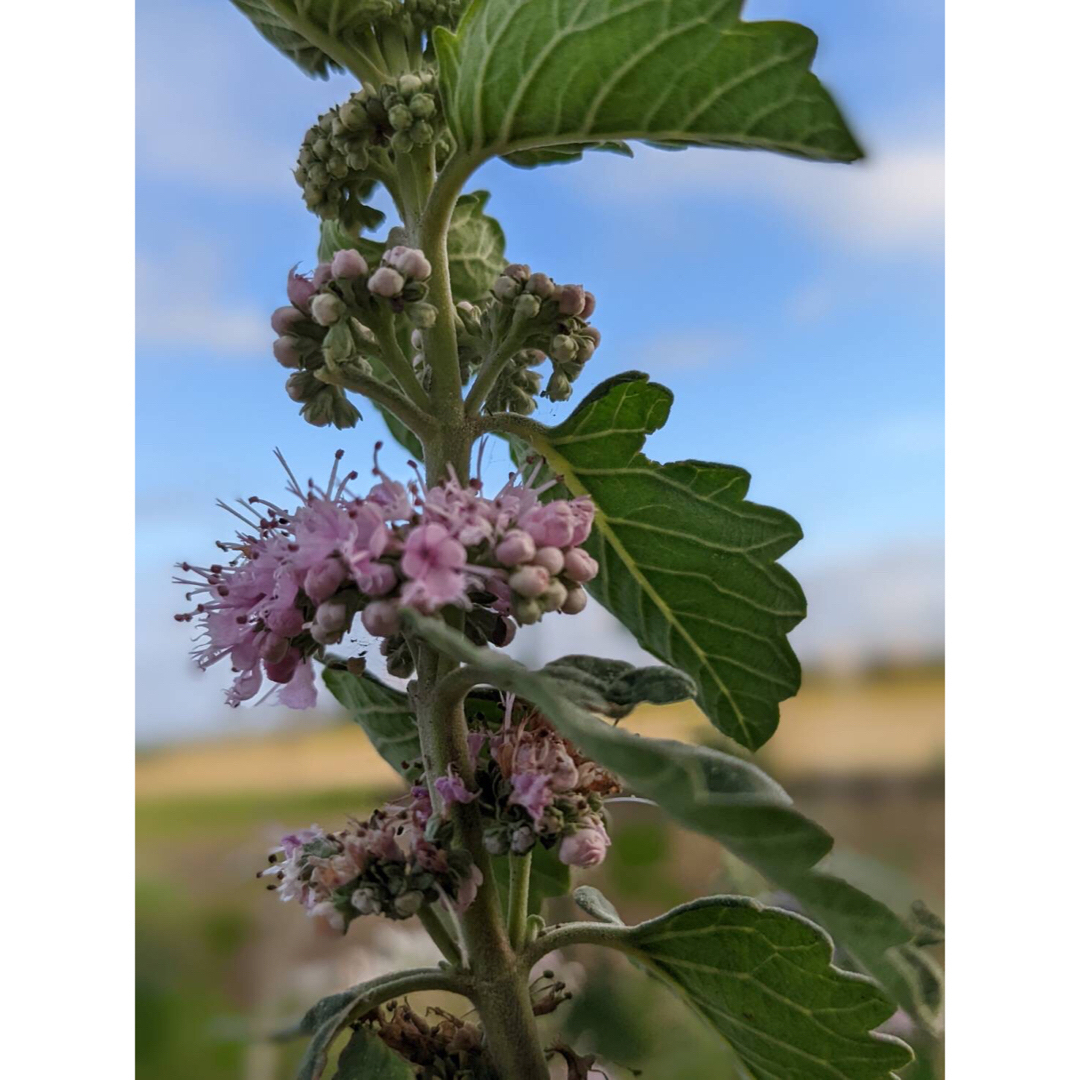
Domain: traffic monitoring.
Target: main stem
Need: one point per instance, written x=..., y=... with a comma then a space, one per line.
x=499, y=979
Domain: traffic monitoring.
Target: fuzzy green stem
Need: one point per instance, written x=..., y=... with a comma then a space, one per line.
x=576, y=933
x=517, y=903
x=415, y=419
x=397, y=363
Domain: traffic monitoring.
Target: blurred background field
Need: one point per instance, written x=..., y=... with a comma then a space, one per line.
x=220, y=960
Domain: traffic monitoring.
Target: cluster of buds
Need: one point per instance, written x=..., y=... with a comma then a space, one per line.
x=427, y=14
x=540, y=319
x=339, y=149
x=297, y=579
x=392, y=864
x=535, y=787
x=439, y=1045
x=323, y=332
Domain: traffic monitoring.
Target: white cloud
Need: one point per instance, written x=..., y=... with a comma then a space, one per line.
x=894, y=201
x=694, y=349
x=179, y=303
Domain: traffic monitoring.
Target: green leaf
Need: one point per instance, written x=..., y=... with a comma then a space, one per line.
x=733, y=802
x=557, y=155
x=474, y=245
x=367, y=1057
x=686, y=563
x=614, y=687
x=523, y=74
x=762, y=977
x=335, y=237
x=383, y=712
x=317, y=35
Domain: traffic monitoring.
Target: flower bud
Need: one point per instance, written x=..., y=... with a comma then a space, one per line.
x=299, y=289
x=422, y=315
x=422, y=106
x=332, y=616
x=285, y=318
x=286, y=353
x=527, y=306
x=409, y=261
x=377, y=580
x=409, y=84
x=505, y=288
x=516, y=547
x=348, y=263
x=381, y=618
x=518, y=272
x=576, y=599
x=540, y=285
x=282, y=671
x=522, y=841
x=323, y=579
x=563, y=347
x=386, y=282
x=321, y=636
x=579, y=565
x=586, y=847
x=326, y=309
x=530, y=581
x=401, y=141
x=409, y=903
x=400, y=117
x=554, y=596
x=572, y=300
x=496, y=842
x=526, y=611
x=365, y=900
x=301, y=386
x=590, y=305
x=550, y=558
x=338, y=345
x=558, y=387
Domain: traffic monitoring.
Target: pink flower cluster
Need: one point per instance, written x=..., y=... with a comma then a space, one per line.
x=387, y=865
x=537, y=788
x=297, y=579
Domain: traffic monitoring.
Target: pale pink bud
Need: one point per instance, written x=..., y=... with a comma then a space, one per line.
x=579, y=565
x=326, y=309
x=385, y=282
x=410, y=261
x=586, y=847
x=300, y=290
x=550, y=558
x=530, y=581
x=332, y=616
x=381, y=618
x=518, y=272
x=516, y=547
x=348, y=263
x=590, y=305
x=285, y=352
x=321, y=276
x=377, y=579
x=576, y=599
x=285, y=318
x=554, y=596
x=323, y=579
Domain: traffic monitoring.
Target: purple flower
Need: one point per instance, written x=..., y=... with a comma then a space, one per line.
x=299, y=692
x=433, y=560
x=453, y=790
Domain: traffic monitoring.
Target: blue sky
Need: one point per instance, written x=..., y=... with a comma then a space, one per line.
x=795, y=309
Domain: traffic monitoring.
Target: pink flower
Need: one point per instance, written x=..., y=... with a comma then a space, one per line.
x=348, y=263
x=532, y=791
x=453, y=790
x=586, y=847
x=516, y=547
x=433, y=560
x=467, y=890
x=299, y=692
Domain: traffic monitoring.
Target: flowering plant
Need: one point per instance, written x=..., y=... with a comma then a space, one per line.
x=510, y=772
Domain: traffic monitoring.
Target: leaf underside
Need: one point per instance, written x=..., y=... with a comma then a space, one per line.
x=367, y=1057
x=687, y=564
x=519, y=75
x=474, y=246
x=763, y=978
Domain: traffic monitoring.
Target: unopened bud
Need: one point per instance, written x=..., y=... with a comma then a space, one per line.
x=422, y=315
x=348, y=263
x=572, y=300
x=322, y=581
x=523, y=840
x=554, y=596
x=332, y=615
x=326, y=309
x=365, y=901
x=558, y=387
x=409, y=903
x=381, y=618
x=576, y=599
x=515, y=548
x=527, y=612
x=286, y=352
x=563, y=347
x=518, y=272
x=579, y=565
x=530, y=581
x=409, y=261
x=285, y=318
x=386, y=282
x=409, y=84
x=540, y=285
x=496, y=842
x=338, y=345
x=527, y=306
x=505, y=288
x=550, y=558
x=590, y=305
x=422, y=106
x=400, y=117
